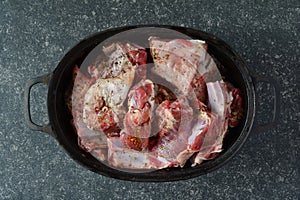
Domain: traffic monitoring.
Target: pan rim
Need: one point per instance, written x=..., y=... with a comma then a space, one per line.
x=179, y=174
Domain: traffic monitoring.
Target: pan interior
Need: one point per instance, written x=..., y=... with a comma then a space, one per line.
x=66, y=135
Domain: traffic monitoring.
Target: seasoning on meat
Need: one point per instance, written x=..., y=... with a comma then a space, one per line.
x=177, y=60
x=174, y=120
x=103, y=103
x=137, y=120
x=219, y=104
x=116, y=77
x=135, y=116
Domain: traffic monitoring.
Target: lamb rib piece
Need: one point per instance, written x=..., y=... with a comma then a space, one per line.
x=97, y=107
x=120, y=156
x=138, y=119
x=103, y=103
x=219, y=104
x=185, y=64
x=177, y=60
x=91, y=141
x=174, y=121
x=119, y=58
x=201, y=124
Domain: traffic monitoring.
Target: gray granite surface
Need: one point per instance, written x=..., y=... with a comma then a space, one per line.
x=35, y=35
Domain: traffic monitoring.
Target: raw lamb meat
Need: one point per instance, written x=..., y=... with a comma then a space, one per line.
x=103, y=103
x=126, y=117
x=174, y=120
x=138, y=119
x=219, y=103
x=115, y=71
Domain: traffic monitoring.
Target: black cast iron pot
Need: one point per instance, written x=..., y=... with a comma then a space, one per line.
x=59, y=127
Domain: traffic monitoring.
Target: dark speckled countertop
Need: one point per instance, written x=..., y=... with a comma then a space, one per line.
x=35, y=35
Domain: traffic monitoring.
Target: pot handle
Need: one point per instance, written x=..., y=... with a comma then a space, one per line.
x=33, y=126
x=275, y=111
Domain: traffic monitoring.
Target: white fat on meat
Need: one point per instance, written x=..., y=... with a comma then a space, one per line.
x=113, y=91
x=179, y=60
x=176, y=60
x=120, y=156
x=91, y=141
x=201, y=125
x=114, y=61
x=170, y=146
x=81, y=85
x=114, y=74
x=219, y=104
